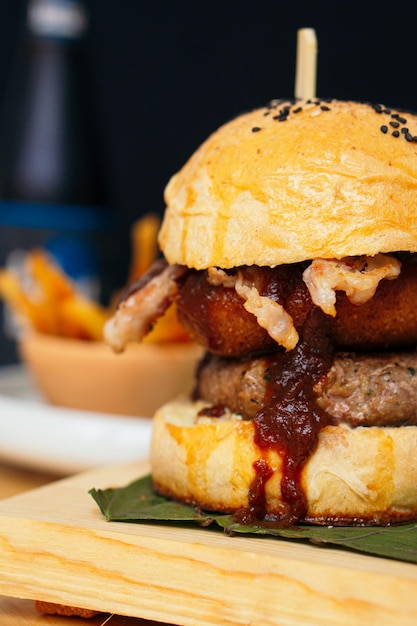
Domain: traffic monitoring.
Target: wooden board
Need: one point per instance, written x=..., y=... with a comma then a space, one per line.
x=16, y=612
x=55, y=546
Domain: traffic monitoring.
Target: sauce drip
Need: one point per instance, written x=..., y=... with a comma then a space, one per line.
x=290, y=420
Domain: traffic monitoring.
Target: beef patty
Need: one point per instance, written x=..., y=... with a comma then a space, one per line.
x=359, y=390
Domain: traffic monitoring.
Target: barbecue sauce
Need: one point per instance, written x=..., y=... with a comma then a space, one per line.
x=290, y=420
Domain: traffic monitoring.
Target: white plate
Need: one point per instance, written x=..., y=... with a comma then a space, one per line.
x=61, y=440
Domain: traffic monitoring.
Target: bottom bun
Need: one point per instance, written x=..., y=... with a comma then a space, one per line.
x=364, y=475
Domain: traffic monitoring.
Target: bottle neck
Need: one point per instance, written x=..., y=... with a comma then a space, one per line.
x=57, y=19
x=48, y=127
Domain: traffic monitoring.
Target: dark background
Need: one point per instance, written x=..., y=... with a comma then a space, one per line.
x=167, y=73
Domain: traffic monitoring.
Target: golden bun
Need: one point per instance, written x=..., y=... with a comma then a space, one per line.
x=292, y=182
x=355, y=474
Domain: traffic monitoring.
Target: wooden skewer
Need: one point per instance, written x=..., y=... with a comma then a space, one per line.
x=306, y=64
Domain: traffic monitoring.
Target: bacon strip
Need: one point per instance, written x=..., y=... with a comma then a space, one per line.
x=357, y=277
x=148, y=298
x=143, y=303
x=269, y=314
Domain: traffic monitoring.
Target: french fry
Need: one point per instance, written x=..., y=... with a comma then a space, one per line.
x=83, y=318
x=49, y=277
x=12, y=294
x=43, y=298
x=46, y=300
x=144, y=245
x=144, y=235
x=28, y=313
x=167, y=328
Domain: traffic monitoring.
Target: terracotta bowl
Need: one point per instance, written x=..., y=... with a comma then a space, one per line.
x=89, y=376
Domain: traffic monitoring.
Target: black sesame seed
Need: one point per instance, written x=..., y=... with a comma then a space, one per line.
x=256, y=129
x=325, y=108
x=384, y=129
x=396, y=133
x=298, y=109
x=394, y=124
x=398, y=117
x=408, y=136
x=379, y=108
x=282, y=115
x=404, y=130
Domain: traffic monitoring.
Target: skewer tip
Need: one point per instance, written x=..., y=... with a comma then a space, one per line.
x=306, y=64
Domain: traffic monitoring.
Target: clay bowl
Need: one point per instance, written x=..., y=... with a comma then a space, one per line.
x=89, y=376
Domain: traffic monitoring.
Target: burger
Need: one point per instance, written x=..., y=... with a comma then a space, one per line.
x=288, y=247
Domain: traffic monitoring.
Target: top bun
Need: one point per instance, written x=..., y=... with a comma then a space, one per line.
x=296, y=181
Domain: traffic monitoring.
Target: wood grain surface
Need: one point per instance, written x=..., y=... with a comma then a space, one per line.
x=14, y=479
x=15, y=612
x=55, y=546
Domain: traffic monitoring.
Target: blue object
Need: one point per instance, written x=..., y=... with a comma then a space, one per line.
x=52, y=216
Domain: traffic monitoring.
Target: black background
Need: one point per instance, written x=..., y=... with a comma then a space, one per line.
x=168, y=73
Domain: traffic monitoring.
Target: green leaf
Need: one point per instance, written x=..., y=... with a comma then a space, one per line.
x=395, y=542
x=138, y=502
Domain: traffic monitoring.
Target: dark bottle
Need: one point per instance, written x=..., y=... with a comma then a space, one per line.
x=52, y=173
